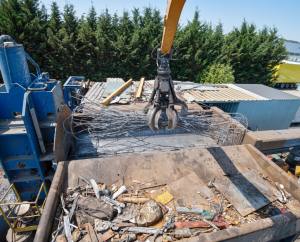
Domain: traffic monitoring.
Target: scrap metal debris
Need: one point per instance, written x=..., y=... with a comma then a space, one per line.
x=109, y=131
x=96, y=211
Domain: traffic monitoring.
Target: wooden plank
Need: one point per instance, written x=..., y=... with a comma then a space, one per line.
x=247, y=192
x=92, y=236
x=117, y=92
x=139, y=91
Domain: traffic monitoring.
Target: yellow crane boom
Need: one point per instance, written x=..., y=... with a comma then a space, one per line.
x=171, y=19
x=163, y=98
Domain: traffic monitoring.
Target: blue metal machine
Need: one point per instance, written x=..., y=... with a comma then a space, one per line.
x=73, y=90
x=29, y=106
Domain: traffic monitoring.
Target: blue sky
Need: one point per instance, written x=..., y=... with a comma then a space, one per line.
x=282, y=14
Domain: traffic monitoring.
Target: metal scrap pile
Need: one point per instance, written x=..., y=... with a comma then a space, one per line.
x=144, y=212
x=288, y=161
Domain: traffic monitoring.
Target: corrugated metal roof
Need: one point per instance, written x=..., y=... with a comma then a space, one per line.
x=267, y=92
x=100, y=90
x=220, y=93
x=293, y=92
x=191, y=92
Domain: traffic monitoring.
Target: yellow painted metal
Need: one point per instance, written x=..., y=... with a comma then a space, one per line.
x=171, y=19
x=16, y=192
x=25, y=229
x=139, y=91
x=288, y=73
x=297, y=171
x=12, y=221
x=117, y=92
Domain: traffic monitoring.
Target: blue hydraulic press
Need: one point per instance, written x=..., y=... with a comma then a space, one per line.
x=32, y=109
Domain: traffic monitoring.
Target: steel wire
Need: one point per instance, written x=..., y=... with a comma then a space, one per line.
x=90, y=120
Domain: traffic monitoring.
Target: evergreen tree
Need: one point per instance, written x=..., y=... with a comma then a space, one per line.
x=122, y=46
x=107, y=60
x=253, y=54
x=92, y=18
x=55, y=18
x=195, y=49
x=68, y=35
x=87, y=45
x=125, y=45
x=11, y=21
x=26, y=22
x=54, y=43
x=218, y=73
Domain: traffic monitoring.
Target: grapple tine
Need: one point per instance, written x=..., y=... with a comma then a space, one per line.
x=152, y=117
x=156, y=118
x=172, y=118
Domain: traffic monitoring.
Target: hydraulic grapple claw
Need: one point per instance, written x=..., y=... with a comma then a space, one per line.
x=172, y=118
x=163, y=97
x=155, y=119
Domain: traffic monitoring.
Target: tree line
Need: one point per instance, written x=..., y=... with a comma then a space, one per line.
x=110, y=45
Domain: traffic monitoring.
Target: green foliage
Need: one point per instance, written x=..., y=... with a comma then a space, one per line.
x=105, y=45
x=218, y=73
x=253, y=53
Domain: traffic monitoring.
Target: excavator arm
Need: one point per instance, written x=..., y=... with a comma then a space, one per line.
x=161, y=105
x=171, y=19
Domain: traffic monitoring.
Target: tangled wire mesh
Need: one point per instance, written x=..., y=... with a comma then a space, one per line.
x=108, y=126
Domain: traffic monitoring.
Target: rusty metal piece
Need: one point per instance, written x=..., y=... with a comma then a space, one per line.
x=90, y=232
x=191, y=224
x=128, y=238
x=61, y=238
x=182, y=233
x=106, y=236
x=138, y=200
x=201, y=224
x=118, y=226
x=153, y=186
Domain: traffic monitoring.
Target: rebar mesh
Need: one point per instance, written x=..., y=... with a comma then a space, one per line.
x=108, y=127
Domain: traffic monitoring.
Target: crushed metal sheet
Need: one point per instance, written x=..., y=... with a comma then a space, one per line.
x=248, y=192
